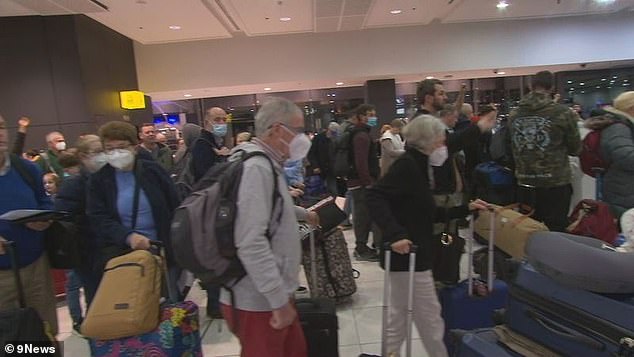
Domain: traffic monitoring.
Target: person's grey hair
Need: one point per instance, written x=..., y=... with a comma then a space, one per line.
x=422, y=131
x=275, y=110
x=50, y=135
x=333, y=126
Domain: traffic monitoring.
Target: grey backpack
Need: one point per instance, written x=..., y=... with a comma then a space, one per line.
x=202, y=231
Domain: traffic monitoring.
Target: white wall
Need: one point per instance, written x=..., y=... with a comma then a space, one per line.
x=384, y=53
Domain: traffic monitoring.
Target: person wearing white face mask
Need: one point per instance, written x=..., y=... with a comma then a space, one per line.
x=72, y=197
x=130, y=201
x=401, y=203
x=268, y=323
x=48, y=160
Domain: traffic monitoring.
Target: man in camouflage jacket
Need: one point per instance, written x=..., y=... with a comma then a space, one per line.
x=543, y=134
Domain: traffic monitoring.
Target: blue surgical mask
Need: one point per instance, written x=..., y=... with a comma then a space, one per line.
x=373, y=121
x=220, y=129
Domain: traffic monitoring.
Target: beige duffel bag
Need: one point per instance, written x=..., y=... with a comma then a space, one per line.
x=512, y=229
x=127, y=300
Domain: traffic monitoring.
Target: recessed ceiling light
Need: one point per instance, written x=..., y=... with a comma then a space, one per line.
x=429, y=77
x=609, y=87
x=267, y=88
x=187, y=95
x=285, y=18
x=605, y=1
x=396, y=11
x=615, y=77
x=572, y=89
x=502, y=5
x=603, y=79
x=612, y=81
x=175, y=27
x=583, y=92
x=569, y=82
x=339, y=83
x=582, y=84
x=597, y=87
x=332, y=101
x=626, y=80
x=501, y=72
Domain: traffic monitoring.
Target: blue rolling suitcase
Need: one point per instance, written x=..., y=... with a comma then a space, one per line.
x=570, y=321
x=482, y=343
x=461, y=308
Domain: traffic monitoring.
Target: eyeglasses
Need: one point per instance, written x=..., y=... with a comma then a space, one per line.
x=293, y=130
x=110, y=151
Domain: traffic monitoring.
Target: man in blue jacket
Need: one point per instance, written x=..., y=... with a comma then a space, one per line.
x=21, y=188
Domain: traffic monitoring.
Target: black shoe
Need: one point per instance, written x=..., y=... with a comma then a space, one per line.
x=364, y=253
x=77, y=328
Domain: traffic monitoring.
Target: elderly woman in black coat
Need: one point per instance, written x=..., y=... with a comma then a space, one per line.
x=401, y=203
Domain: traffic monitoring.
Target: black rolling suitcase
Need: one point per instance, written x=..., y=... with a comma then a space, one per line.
x=386, y=304
x=22, y=324
x=318, y=316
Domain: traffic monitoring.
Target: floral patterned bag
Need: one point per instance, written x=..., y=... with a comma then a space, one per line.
x=177, y=335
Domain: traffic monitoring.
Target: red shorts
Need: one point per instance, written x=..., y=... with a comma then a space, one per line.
x=259, y=339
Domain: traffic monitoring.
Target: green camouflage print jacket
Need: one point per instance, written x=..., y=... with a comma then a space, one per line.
x=543, y=134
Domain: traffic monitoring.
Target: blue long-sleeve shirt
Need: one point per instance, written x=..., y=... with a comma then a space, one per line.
x=16, y=193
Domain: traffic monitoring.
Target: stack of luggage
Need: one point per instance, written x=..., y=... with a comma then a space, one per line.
x=571, y=296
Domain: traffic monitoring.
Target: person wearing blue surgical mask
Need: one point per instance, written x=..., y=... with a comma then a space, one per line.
x=364, y=172
x=207, y=151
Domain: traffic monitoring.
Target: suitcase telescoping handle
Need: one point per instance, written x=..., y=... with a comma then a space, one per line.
x=13, y=258
x=491, y=249
x=313, y=264
x=160, y=246
x=386, y=298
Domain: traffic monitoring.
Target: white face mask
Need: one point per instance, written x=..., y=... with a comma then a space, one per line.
x=439, y=156
x=96, y=162
x=120, y=158
x=299, y=147
x=60, y=146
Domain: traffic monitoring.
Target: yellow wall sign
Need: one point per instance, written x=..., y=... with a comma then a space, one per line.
x=132, y=99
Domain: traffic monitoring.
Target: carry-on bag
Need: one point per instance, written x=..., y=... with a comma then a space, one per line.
x=334, y=273
x=127, y=300
x=494, y=183
x=466, y=306
x=512, y=228
x=582, y=262
x=318, y=315
x=386, y=302
x=176, y=334
x=22, y=324
x=593, y=218
x=570, y=321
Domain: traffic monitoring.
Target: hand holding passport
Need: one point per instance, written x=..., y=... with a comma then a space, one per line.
x=330, y=215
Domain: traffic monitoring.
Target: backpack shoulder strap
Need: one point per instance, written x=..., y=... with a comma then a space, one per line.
x=23, y=170
x=276, y=191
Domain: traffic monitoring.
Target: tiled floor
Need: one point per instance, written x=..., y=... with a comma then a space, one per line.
x=359, y=320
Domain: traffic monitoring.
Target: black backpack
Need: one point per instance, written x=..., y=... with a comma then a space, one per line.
x=500, y=148
x=183, y=174
x=344, y=163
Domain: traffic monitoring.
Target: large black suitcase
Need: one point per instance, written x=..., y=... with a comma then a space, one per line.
x=318, y=316
x=22, y=324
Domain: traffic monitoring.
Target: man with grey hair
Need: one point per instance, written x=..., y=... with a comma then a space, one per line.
x=266, y=236
x=48, y=160
x=322, y=156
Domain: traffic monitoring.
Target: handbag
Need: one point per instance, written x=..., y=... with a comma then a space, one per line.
x=63, y=245
x=448, y=246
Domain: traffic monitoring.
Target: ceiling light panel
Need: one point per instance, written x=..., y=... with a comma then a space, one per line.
x=415, y=12
x=259, y=18
x=126, y=17
x=486, y=10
